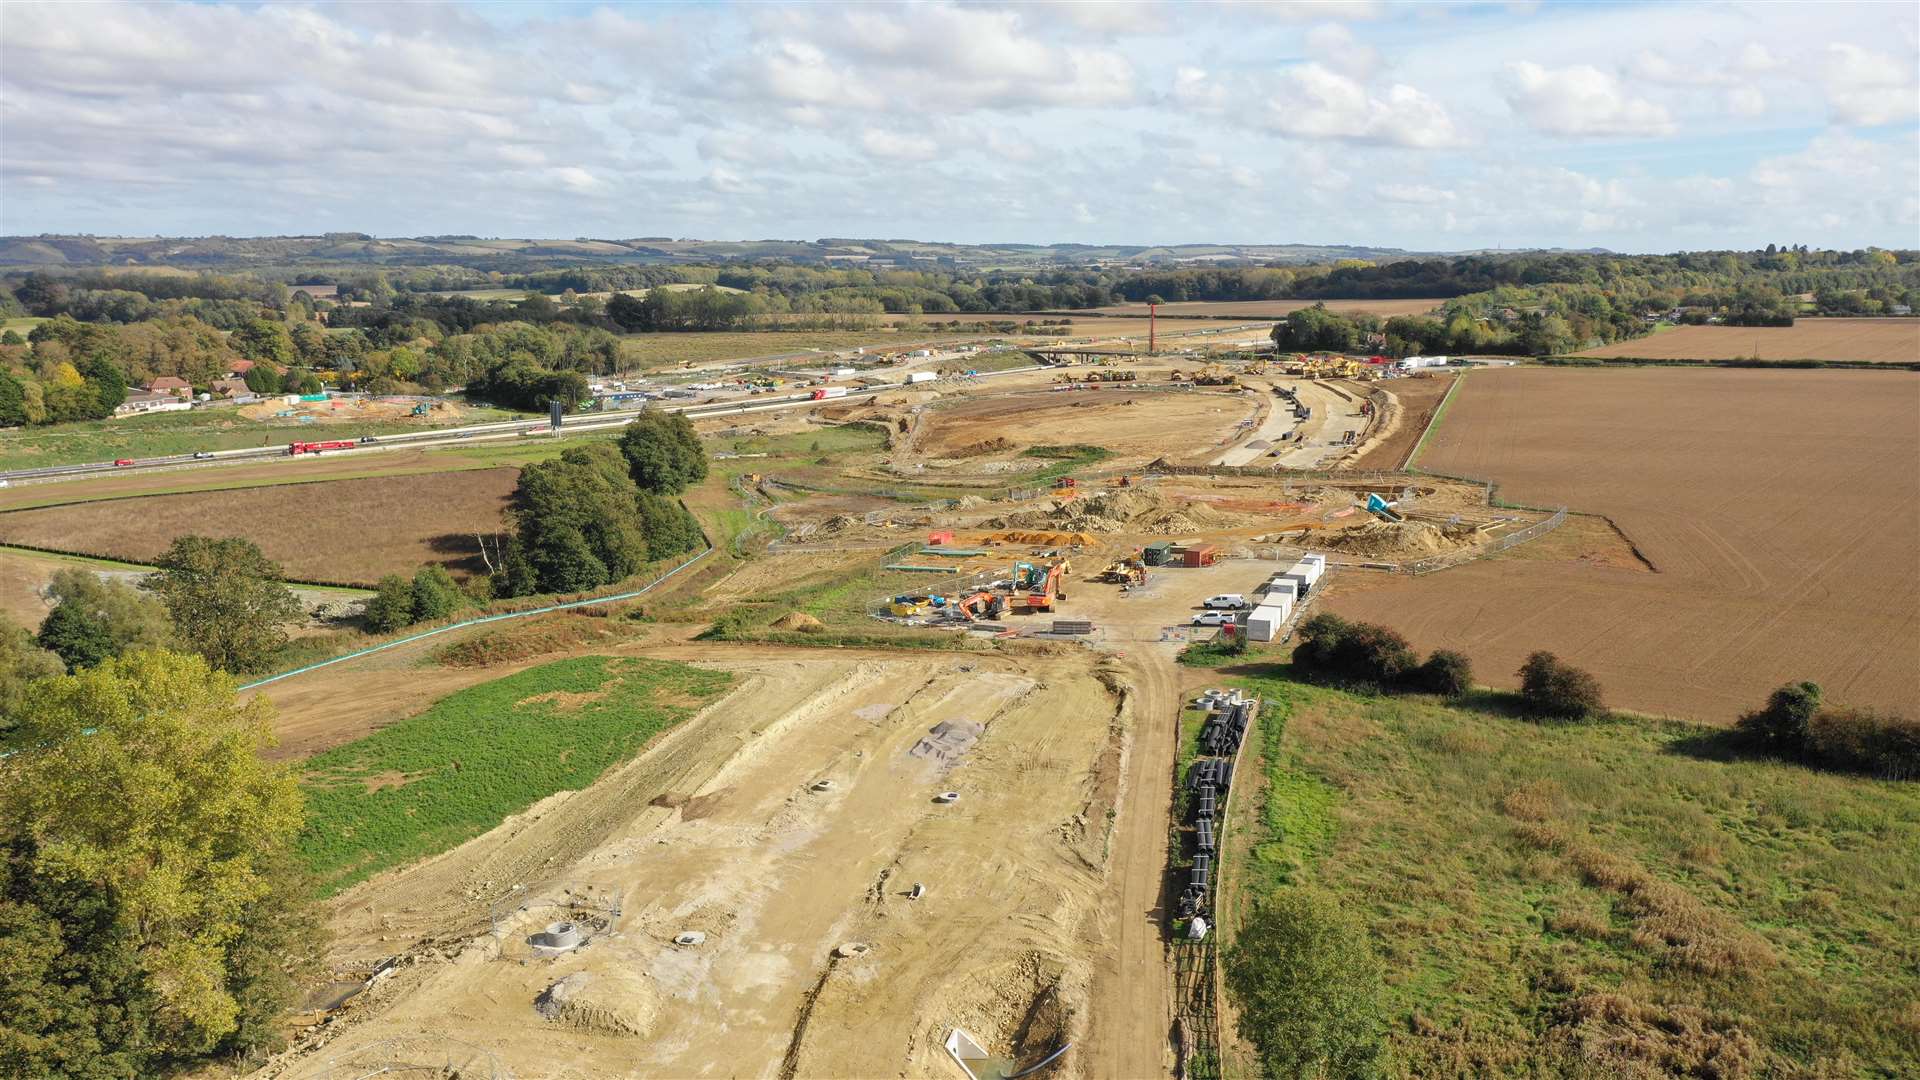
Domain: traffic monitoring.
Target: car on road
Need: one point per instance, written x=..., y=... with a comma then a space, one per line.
x=202, y=455
x=1232, y=601
x=123, y=461
x=1213, y=618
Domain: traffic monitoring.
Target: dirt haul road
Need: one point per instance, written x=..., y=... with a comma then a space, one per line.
x=718, y=829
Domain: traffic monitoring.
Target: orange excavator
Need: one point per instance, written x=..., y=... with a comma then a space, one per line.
x=1047, y=594
x=982, y=605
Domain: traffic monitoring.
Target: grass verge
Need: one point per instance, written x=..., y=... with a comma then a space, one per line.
x=1596, y=899
x=436, y=780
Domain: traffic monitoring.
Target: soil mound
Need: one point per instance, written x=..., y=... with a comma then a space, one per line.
x=985, y=446
x=799, y=620
x=1413, y=538
x=1114, y=511
x=609, y=1003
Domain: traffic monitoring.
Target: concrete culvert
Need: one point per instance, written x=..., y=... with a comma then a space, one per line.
x=557, y=937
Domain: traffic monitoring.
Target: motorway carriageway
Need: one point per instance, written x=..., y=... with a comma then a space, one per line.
x=509, y=429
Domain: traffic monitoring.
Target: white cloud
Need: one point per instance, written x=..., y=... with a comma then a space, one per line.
x=1581, y=100
x=1334, y=45
x=1419, y=194
x=1867, y=88
x=1312, y=101
x=1746, y=101
x=898, y=146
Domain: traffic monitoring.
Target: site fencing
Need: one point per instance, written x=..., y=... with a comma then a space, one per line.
x=1514, y=539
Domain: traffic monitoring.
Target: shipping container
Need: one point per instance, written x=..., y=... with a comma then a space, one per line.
x=1199, y=555
x=922, y=376
x=1278, y=585
x=1264, y=622
x=1157, y=554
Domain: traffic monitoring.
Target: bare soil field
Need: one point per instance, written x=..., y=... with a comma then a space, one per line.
x=1889, y=341
x=1419, y=399
x=1276, y=309
x=344, y=531
x=1136, y=426
x=1776, y=509
x=816, y=961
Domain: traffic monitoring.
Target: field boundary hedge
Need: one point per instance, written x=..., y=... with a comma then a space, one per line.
x=150, y=567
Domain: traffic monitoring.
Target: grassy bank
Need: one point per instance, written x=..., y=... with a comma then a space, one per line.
x=1596, y=899
x=433, y=781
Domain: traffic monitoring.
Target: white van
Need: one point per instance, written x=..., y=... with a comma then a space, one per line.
x=1232, y=601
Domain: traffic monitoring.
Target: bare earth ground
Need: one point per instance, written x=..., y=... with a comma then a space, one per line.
x=347, y=531
x=1777, y=507
x=1878, y=340
x=715, y=829
x=1157, y=425
x=1275, y=309
x=1418, y=400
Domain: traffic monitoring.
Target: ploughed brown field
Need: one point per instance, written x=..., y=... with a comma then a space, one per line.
x=1779, y=510
x=1274, y=309
x=1881, y=341
x=349, y=532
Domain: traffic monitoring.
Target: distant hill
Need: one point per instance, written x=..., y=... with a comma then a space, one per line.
x=233, y=252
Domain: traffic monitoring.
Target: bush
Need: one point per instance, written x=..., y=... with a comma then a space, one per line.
x=1333, y=648
x=392, y=605
x=1559, y=691
x=1308, y=985
x=1883, y=744
x=1781, y=727
x=435, y=596
x=1446, y=673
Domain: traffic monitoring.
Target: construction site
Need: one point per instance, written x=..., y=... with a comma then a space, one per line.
x=873, y=861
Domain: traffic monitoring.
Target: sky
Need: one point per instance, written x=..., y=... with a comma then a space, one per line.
x=1635, y=127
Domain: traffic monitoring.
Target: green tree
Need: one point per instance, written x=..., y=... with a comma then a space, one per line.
x=1781, y=726
x=226, y=600
x=132, y=618
x=391, y=606
x=577, y=523
x=22, y=660
x=668, y=528
x=1308, y=985
x=13, y=401
x=265, y=341
x=151, y=913
x=12, y=337
x=434, y=594
x=77, y=636
x=664, y=453
x=263, y=379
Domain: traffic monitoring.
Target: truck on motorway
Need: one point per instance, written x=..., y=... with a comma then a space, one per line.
x=824, y=393
x=296, y=449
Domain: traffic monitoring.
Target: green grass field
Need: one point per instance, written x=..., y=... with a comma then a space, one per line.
x=163, y=434
x=1596, y=900
x=21, y=324
x=436, y=780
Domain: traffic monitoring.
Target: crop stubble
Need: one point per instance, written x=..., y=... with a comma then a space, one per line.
x=1779, y=509
x=1883, y=341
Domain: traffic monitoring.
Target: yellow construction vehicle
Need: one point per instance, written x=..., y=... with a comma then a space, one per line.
x=1215, y=375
